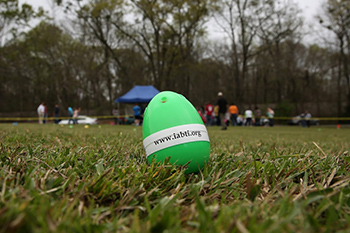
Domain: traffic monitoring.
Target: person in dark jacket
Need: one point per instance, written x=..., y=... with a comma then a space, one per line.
x=222, y=104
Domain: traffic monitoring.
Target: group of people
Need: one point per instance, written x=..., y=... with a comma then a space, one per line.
x=305, y=119
x=43, y=114
x=221, y=114
x=73, y=115
x=224, y=114
x=137, y=119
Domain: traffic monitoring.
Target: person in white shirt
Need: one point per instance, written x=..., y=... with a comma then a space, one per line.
x=248, y=114
x=270, y=114
x=41, y=112
x=75, y=115
x=307, y=118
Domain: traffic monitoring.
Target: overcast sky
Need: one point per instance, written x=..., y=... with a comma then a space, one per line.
x=309, y=7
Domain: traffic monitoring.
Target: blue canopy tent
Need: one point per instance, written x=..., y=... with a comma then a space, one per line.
x=138, y=94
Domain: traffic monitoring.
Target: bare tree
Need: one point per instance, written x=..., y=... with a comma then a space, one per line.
x=238, y=20
x=337, y=20
x=164, y=32
x=279, y=22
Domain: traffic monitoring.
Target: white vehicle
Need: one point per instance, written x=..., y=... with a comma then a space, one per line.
x=82, y=120
x=297, y=120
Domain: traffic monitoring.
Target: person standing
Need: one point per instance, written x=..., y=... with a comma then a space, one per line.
x=57, y=114
x=307, y=118
x=137, y=114
x=248, y=115
x=270, y=114
x=227, y=118
x=45, y=114
x=70, y=115
x=257, y=115
x=222, y=104
x=233, y=110
x=209, y=109
x=115, y=113
x=41, y=112
x=216, y=116
x=302, y=119
x=75, y=115
x=201, y=115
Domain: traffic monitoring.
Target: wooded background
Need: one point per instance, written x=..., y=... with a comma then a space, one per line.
x=88, y=53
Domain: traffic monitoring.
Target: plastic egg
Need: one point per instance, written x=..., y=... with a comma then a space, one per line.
x=173, y=128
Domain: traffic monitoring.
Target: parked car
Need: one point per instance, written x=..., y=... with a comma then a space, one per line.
x=82, y=120
x=297, y=121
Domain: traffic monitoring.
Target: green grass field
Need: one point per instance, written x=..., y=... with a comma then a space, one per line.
x=281, y=179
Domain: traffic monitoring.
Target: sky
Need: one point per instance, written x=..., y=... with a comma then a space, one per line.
x=310, y=8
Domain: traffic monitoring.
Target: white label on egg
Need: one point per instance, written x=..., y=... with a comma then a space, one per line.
x=175, y=136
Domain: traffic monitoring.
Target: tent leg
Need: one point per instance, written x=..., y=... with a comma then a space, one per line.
x=119, y=114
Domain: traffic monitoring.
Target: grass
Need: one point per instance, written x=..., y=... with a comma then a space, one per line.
x=281, y=179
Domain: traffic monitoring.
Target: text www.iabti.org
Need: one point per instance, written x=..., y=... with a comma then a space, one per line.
x=179, y=135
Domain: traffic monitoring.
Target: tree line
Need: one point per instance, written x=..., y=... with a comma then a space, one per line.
x=96, y=50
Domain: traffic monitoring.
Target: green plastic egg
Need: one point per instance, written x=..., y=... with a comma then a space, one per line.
x=172, y=128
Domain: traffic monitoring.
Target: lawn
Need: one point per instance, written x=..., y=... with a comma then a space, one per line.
x=96, y=179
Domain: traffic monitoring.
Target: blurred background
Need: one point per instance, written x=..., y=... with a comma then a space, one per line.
x=290, y=55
